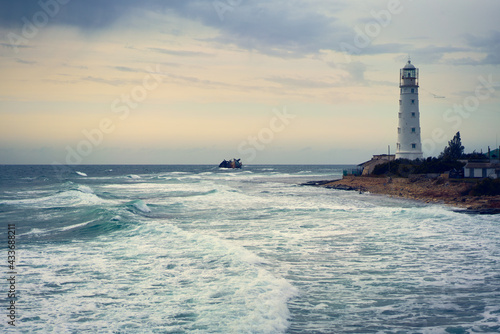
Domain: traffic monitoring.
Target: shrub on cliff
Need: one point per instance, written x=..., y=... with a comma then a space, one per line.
x=394, y=168
x=405, y=168
x=437, y=166
x=486, y=187
x=381, y=169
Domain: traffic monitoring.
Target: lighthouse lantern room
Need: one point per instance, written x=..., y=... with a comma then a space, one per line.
x=409, y=144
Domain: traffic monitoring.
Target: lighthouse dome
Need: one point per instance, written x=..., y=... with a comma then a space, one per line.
x=409, y=65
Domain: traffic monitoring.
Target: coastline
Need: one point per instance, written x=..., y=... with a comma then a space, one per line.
x=439, y=191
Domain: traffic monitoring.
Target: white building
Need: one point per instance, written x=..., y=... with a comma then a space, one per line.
x=409, y=145
x=482, y=169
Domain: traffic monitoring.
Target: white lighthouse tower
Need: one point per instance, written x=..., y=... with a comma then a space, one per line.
x=409, y=145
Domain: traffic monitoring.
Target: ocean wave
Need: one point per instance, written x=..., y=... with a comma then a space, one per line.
x=85, y=189
x=219, y=272
x=83, y=224
x=75, y=226
x=249, y=253
x=39, y=232
x=139, y=205
x=36, y=231
x=61, y=199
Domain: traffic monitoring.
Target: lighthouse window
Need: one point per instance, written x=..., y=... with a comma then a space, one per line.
x=412, y=101
x=399, y=130
x=412, y=114
x=399, y=115
x=412, y=130
x=399, y=102
x=413, y=90
x=413, y=145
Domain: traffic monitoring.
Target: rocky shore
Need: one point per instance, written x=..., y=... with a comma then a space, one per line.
x=437, y=190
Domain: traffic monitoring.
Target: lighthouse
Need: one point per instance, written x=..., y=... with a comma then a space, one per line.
x=409, y=145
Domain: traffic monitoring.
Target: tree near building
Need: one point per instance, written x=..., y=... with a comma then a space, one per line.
x=454, y=150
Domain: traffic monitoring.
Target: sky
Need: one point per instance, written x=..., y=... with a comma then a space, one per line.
x=270, y=82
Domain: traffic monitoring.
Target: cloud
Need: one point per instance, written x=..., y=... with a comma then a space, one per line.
x=356, y=71
x=300, y=82
x=83, y=14
x=181, y=53
x=112, y=82
x=433, y=54
x=127, y=69
x=385, y=48
x=489, y=45
x=27, y=62
x=12, y=46
x=279, y=28
x=284, y=28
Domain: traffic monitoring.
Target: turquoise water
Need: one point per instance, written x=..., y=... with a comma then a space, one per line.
x=195, y=249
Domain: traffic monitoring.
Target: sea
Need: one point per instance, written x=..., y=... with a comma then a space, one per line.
x=198, y=249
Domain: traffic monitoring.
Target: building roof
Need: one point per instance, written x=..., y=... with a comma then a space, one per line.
x=409, y=65
x=482, y=165
x=378, y=158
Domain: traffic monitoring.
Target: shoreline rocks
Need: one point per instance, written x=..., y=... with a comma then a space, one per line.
x=436, y=190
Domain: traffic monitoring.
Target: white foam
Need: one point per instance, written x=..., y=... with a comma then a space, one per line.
x=71, y=227
x=36, y=231
x=85, y=189
x=141, y=206
x=65, y=198
x=80, y=173
x=186, y=281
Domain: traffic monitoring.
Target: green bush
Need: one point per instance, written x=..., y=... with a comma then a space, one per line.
x=404, y=167
x=486, y=187
x=437, y=166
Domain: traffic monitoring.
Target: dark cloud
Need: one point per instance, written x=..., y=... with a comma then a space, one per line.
x=84, y=14
x=285, y=28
